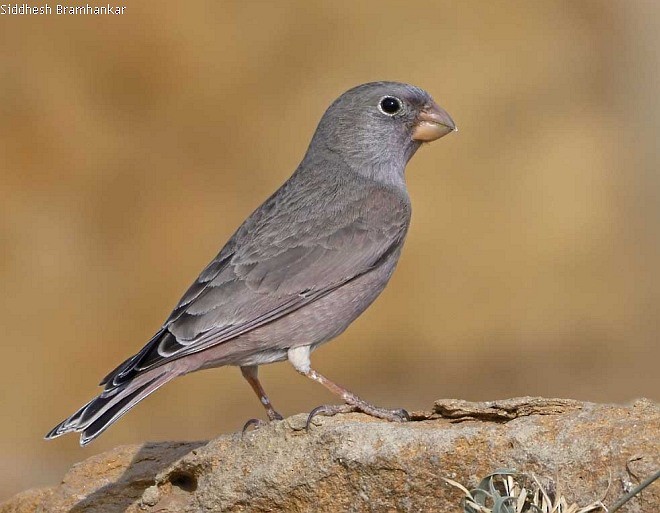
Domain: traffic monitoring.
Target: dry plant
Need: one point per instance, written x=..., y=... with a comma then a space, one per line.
x=507, y=491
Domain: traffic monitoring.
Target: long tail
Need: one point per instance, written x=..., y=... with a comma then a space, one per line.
x=97, y=415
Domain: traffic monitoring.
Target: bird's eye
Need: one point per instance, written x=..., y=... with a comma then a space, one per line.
x=389, y=105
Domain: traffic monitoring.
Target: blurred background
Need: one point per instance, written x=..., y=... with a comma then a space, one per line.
x=131, y=147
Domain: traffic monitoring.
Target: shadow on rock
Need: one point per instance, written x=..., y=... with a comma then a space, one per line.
x=149, y=460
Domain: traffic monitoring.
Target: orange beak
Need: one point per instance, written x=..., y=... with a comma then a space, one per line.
x=432, y=123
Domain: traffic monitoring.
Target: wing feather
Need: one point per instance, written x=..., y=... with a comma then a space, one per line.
x=279, y=260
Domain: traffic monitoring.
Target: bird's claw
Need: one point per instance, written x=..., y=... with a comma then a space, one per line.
x=328, y=410
x=252, y=423
x=403, y=415
x=258, y=423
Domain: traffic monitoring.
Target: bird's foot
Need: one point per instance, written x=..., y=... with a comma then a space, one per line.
x=252, y=423
x=328, y=410
x=258, y=423
x=273, y=415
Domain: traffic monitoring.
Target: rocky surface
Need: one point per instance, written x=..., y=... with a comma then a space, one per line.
x=356, y=463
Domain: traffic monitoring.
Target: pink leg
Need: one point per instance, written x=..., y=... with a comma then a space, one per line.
x=250, y=374
x=299, y=358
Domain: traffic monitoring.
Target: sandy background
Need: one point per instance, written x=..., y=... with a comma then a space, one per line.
x=131, y=147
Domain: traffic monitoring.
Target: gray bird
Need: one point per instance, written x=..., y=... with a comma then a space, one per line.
x=301, y=268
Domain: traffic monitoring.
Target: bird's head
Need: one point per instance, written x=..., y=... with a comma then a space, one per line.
x=380, y=124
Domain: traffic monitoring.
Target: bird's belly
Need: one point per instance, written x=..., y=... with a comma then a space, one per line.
x=311, y=325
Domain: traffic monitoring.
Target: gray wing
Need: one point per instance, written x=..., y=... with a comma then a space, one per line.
x=279, y=260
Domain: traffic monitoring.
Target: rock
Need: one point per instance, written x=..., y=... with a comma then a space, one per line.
x=356, y=463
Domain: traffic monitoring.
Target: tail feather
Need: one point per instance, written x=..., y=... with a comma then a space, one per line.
x=98, y=414
x=119, y=373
